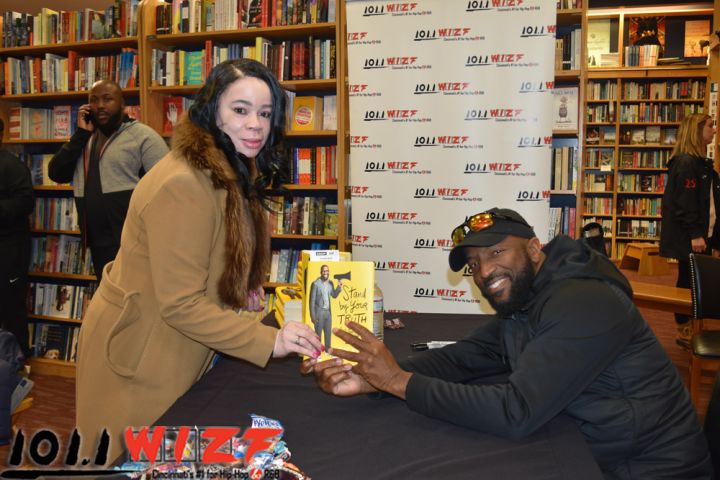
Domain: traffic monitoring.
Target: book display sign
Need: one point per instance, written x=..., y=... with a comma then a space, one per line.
x=451, y=110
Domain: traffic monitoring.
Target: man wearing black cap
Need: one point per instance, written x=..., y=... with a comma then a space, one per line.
x=567, y=338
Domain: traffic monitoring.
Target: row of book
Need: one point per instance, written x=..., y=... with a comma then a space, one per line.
x=651, y=135
x=60, y=301
x=188, y=16
x=598, y=182
x=58, y=122
x=642, y=182
x=644, y=158
x=600, y=158
x=657, y=112
x=60, y=254
x=647, y=229
x=309, y=59
x=601, y=90
x=314, y=165
x=640, y=206
x=49, y=26
x=38, y=166
x=53, y=213
x=28, y=123
x=562, y=221
x=74, y=72
x=55, y=341
x=598, y=205
x=299, y=215
x=667, y=90
x=600, y=112
x=308, y=112
x=642, y=55
x=564, y=168
x=568, y=50
x=284, y=265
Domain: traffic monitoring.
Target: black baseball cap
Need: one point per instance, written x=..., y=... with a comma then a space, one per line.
x=504, y=222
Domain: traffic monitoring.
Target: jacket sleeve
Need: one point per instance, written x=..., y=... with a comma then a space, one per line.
x=181, y=221
x=313, y=300
x=62, y=165
x=469, y=360
x=686, y=202
x=20, y=200
x=152, y=149
x=574, y=342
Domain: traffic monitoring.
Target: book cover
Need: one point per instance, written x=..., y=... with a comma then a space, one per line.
x=61, y=121
x=336, y=293
x=652, y=134
x=331, y=219
x=307, y=113
x=696, y=31
x=172, y=110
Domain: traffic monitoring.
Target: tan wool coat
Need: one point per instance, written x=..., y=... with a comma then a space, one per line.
x=157, y=318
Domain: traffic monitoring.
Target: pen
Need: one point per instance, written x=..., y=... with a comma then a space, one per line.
x=431, y=344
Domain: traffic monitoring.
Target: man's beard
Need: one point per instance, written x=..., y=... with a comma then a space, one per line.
x=112, y=124
x=520, y=287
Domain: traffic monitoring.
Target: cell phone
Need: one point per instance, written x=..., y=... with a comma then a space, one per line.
x=89, y=117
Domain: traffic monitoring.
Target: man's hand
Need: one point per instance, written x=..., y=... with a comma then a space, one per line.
x=374, y=362
x=83, y=112
x=336, y=378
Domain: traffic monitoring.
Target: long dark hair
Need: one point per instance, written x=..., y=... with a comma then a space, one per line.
x=272, y=160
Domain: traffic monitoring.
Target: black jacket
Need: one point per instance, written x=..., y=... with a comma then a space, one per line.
x=686, y=205
x=17, y=199
x=581, y=348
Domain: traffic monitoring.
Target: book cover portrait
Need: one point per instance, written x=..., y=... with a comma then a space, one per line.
x=337, y=293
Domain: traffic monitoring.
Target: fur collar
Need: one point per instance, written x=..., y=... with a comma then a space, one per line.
x=247, y=245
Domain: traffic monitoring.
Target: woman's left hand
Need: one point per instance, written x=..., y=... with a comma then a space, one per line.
x=296, y=337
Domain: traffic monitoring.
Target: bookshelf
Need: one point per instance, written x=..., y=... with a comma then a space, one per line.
x=631, y=116
x=46, y=74
x=267, y=42
x=567, y=132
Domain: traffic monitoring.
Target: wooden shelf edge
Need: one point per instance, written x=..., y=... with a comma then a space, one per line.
x=46, y=366
x=72, y=321
x=69, y=276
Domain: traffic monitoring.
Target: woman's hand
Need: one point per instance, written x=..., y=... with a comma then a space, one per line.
x=255, y=300
x=698, y=245
x=296, y=337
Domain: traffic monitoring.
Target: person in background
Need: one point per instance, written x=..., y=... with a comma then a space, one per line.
x=17, y=201
x=568, y=340
x=104, y=159
x=690, y=205
x=187, y=280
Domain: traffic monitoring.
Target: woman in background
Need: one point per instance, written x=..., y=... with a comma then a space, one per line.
x=689, y=205
x=187, y=281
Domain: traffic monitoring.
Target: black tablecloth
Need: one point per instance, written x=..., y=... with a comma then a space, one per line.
x=371, y=438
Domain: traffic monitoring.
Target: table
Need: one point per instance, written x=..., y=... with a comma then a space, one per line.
x=371, y=438
x=662, y=297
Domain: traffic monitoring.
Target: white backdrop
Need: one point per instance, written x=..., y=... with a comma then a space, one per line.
x=450, y=115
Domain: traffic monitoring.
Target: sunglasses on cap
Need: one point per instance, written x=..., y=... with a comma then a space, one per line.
x=476, y=223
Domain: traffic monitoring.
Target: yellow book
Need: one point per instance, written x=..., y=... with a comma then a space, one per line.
x=336, y=293
x=307, y=113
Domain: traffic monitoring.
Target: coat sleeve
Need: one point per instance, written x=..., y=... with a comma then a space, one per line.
x=181, y=221
x=574, y=342
x=20, y=200
x=686, y=203
x=313, y=300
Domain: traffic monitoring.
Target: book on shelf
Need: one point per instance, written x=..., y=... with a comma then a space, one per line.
x=61, y=121
x=652, y=134
x=173, y=108
x=696, y=38
x=331, y=219
x=598, y=41
x=349, y=293
x=669, y=135
x=55, y=341
x=307, y=113
x=565, y=108
x=637, y=136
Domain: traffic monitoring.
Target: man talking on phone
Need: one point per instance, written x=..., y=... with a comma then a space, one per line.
x=104, y=160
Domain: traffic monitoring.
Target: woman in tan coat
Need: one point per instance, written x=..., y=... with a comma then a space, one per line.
x=194, y=252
